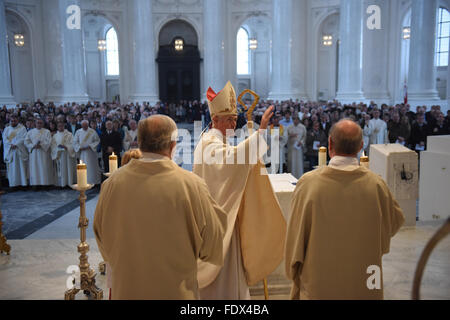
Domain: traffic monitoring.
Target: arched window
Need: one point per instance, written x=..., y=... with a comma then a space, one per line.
x=112, y=53
x=242, y=52
x=443, y=35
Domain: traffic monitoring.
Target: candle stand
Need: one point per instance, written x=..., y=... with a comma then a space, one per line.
x=87, y=275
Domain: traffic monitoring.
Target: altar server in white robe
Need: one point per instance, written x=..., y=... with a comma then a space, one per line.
x=64, y=155
x=85, y=143
x=130, y=139
x=378, y=129
x=38, y=141
x=296, y=143
x=254, y=239
x=278, y=134
x=15, y=153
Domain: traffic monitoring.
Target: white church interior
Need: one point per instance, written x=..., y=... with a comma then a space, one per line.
x=125, y=60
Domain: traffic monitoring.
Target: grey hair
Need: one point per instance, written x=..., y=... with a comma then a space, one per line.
x=156, y=133
x=346, y=142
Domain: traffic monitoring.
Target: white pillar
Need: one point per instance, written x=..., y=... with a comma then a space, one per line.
x=375, y=55
x=64, y=55
x=6, y=97
x=75, y=85
x=214, y=45
x=350, y=51
x=445, y=108
x=142, y=52
x=422, y=70
x=299, y=49
x=281, y=50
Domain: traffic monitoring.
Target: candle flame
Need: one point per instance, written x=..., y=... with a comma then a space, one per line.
x=113, y=153
x=364, y=154
x=81, y=162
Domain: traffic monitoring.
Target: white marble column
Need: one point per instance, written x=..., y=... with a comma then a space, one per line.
x=443, y=108
x=214, y=45
x=376, y=55
x=350, y=51
x=64, y=55
x=6, y=97
x=142, y=52
x=422, y=70
x=75, y=85
x=299, y=49
x=281, y=50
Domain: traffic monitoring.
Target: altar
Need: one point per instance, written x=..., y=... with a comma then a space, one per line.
x=283, y=185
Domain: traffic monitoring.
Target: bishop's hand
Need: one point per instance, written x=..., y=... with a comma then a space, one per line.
x=266, y=118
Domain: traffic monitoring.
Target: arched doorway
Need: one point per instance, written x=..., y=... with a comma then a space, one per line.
x=178, y=62
x=20, y=59
x=328, y=58
x=102, y=59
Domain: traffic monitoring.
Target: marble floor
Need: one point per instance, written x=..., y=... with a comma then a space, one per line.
x=36, y=268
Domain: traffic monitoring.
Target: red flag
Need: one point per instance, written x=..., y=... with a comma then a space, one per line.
x=405, y=96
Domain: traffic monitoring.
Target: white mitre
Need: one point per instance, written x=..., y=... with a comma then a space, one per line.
x=222, y=103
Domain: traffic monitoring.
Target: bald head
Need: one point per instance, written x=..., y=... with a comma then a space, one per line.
x=157, y=134
x=346, y=138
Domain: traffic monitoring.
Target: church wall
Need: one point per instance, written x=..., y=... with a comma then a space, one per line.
x=381, y=50
x=318, y=12
x=30, y=12
x=20, y=59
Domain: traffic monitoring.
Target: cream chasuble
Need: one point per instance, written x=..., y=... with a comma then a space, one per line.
x=152, y=222
x=41, y=164
x=341, y=223
x=16, y=159
x=64, y=158
x=255, y=236
x=88, y=139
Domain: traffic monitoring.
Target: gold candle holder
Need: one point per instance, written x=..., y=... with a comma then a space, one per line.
x=4, y=247
x=364, y=161
x=87, y=275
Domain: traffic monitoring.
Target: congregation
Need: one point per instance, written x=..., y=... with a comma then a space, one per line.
x=41, y=143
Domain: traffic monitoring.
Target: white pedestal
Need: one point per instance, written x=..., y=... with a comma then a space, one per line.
x=398, y=166
x=434, y=188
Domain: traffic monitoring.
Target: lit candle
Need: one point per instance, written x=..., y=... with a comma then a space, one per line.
x=322, y=156
x=82, y=175
x=364, y=161
x=112, y=163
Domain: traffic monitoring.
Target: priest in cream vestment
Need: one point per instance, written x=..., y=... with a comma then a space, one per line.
x=342, y=219
x=38, y=141
x=85, y=143
x=255, y=235
x=154, y=220
x=15, y=153
x=64, y=155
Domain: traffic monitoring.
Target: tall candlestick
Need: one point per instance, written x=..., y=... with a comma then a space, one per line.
x=82, y=175
x=112, y=163
x=322, y=156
